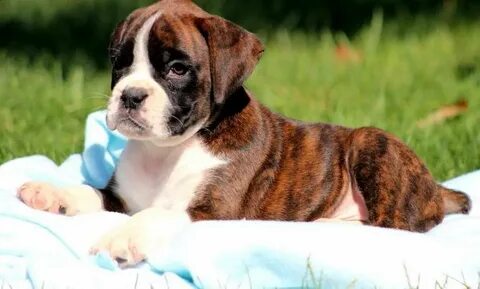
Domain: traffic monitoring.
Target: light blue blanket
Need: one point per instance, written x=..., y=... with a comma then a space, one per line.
x=42, y=250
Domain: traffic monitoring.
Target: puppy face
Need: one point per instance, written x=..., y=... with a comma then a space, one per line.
x=173, y=65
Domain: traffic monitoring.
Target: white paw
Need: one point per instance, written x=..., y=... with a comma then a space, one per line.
x=149, y=231
x=45, y=197
x=128, y=245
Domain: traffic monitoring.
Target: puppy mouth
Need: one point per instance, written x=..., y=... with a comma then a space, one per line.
x=128, y=123
x=132, y=121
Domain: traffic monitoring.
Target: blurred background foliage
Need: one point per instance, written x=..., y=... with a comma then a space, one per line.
x=384, y=63
x=81, y=28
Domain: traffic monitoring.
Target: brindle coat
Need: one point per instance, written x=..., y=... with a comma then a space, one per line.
x=282, y=169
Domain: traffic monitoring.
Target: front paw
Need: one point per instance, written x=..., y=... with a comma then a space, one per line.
x=43, y=196
x=128, y=245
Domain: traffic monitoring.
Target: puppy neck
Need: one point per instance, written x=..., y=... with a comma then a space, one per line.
x=234, y=124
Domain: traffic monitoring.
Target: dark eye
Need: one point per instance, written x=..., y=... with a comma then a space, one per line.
x=178, y=69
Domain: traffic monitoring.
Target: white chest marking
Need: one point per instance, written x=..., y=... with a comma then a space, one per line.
x=164, y=177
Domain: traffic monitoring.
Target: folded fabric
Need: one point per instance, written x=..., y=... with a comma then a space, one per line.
x=42, y=250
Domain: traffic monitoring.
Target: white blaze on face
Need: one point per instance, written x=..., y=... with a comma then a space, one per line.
x=155, y=111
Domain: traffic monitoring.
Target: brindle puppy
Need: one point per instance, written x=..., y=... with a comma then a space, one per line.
x=202, y=148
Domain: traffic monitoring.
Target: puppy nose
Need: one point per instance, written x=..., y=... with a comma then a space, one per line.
x=133, y=97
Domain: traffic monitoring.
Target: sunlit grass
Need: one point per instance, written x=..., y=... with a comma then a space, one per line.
x=403, y=73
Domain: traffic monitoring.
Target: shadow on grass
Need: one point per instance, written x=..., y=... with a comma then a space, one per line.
x=82, y=30
x=84, y=27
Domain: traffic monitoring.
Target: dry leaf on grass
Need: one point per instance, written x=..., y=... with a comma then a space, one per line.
x=346, y=53
x=444, y=113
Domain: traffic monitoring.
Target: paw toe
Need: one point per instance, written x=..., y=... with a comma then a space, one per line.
x=122, y=249
x=41, y=196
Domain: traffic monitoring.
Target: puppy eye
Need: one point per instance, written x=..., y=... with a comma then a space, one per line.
x=178, y=69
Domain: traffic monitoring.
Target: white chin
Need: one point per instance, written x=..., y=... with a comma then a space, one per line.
x=132, y=130
x=159, y=139
x=178, y=139
x=135, y=134
x=157, y=136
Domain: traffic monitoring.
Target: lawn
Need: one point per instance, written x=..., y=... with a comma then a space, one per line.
x=388, y=75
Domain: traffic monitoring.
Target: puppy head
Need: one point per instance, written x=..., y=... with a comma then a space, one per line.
x=172, y=65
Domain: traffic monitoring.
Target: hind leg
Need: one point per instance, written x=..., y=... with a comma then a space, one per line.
x=398, y=189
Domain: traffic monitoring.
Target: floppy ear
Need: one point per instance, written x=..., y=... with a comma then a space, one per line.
x=234, y=53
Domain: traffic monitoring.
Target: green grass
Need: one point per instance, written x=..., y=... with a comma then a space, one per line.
x=407, y=71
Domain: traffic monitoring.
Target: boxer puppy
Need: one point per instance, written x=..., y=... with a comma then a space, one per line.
x=201, y=147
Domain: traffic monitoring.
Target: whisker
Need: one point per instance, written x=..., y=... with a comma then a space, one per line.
x=188, y=106
x=95, y=97
x=178, y=120
x=114, y=50
x=207, y=130
x=100, y=94
x=98, y=108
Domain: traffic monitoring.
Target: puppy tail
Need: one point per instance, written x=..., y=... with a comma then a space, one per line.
x=455, y=202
